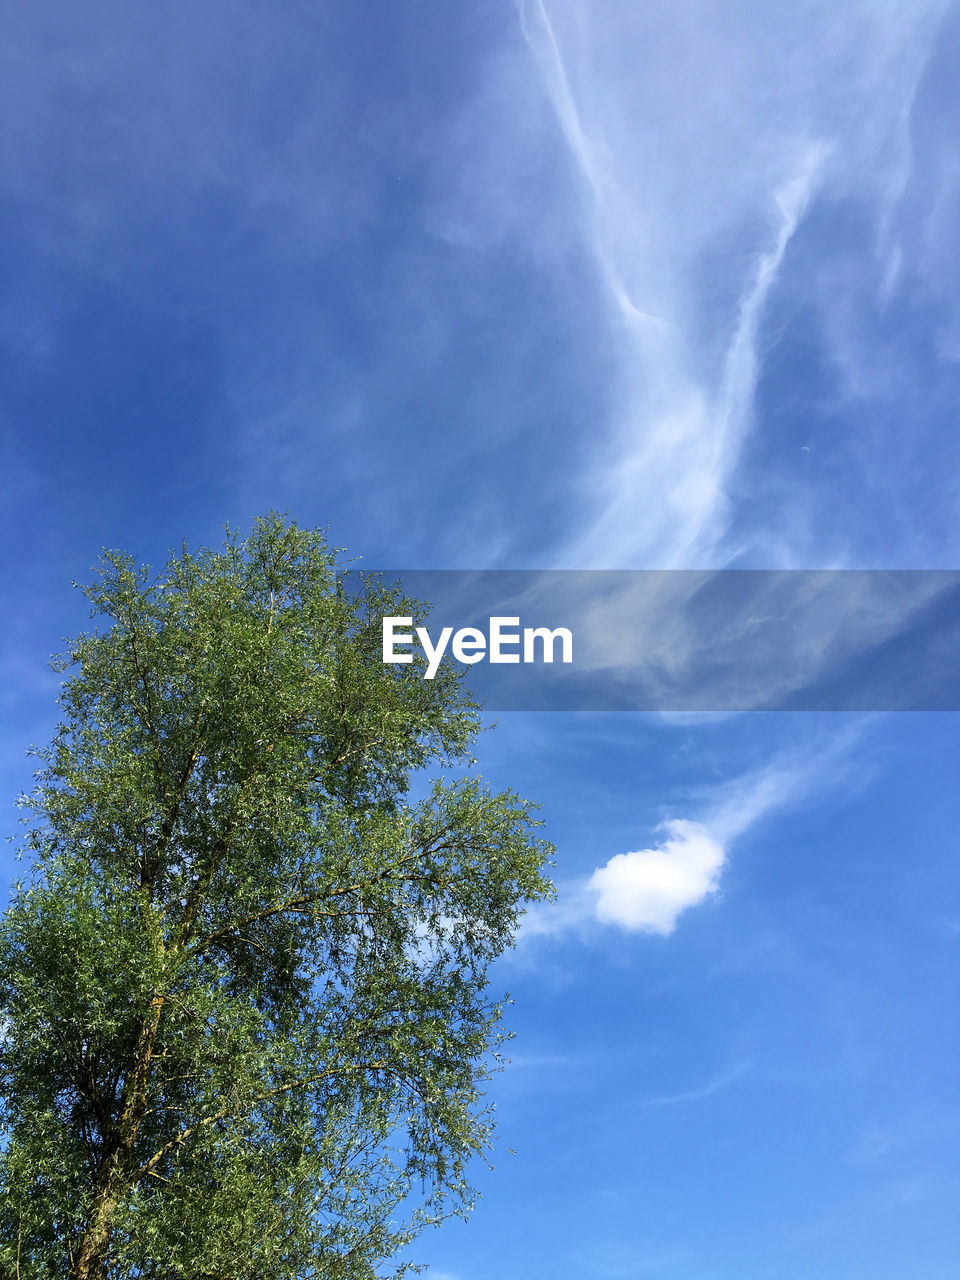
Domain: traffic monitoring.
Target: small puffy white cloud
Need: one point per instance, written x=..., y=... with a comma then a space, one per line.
x=647, y=889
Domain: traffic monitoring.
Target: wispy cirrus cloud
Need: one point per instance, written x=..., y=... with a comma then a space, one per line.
x=701, y=141
x=722, y=1080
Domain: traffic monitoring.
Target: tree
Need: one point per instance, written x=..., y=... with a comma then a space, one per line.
x=244, y=992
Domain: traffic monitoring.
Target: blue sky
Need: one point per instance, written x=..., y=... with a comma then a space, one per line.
x=555, y=284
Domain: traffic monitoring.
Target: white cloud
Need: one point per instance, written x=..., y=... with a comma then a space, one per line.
x=722, y=1080
x=647, y=889
x=700, y=140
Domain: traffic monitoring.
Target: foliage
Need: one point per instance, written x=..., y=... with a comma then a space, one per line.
x=244, y=993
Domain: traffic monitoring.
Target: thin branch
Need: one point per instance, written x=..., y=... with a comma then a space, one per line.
x=229, y=1113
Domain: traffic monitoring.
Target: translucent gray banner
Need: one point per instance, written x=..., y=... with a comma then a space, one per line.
x=686, y=641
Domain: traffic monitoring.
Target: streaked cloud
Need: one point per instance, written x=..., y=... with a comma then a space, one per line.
x=702, y=139
x=722, y=1080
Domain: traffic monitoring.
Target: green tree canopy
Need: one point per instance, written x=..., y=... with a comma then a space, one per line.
x=245, y=1012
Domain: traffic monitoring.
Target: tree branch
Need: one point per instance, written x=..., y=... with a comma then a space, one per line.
x=229, y=1113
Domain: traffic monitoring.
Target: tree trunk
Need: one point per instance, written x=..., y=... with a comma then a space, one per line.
x=90, y=1259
